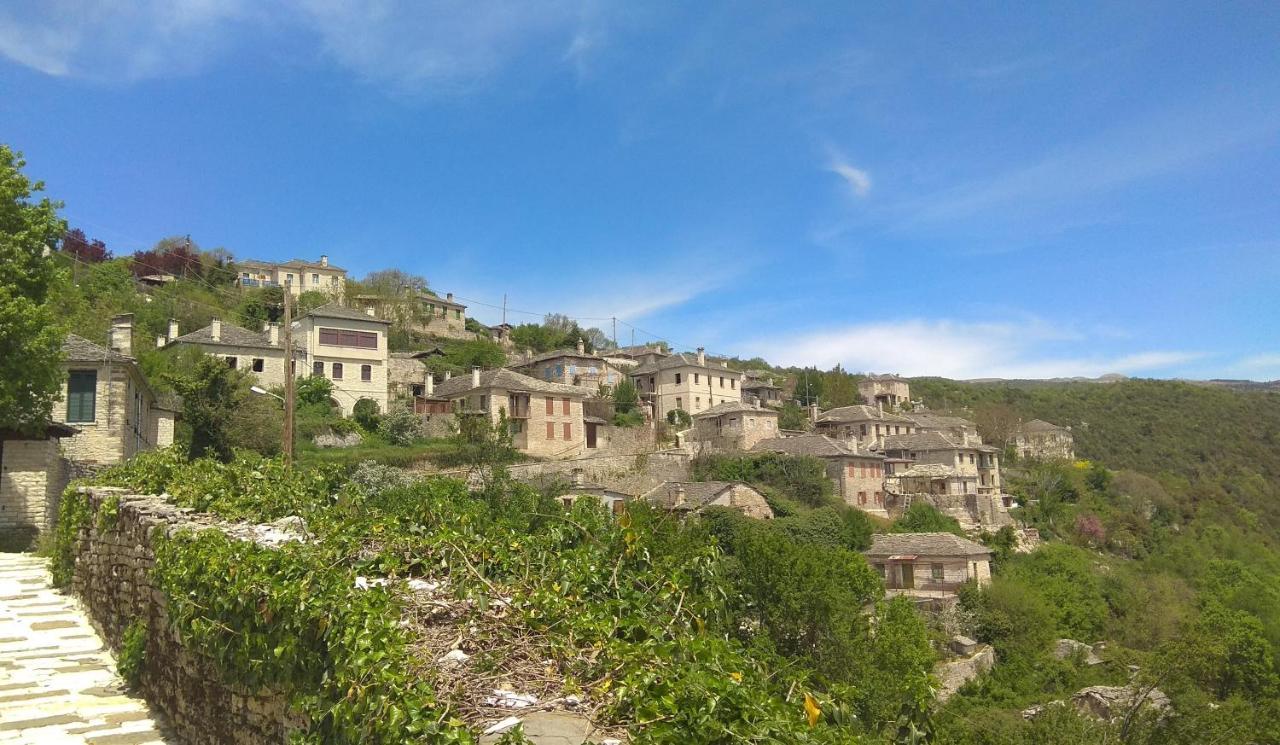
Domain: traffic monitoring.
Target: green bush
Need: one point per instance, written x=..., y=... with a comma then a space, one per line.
x=365, y=412
x=922, y=517
x=400, y=427
x=679, y=418
x=132, y=659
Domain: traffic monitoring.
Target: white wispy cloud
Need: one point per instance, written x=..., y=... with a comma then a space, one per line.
x=956, y=349
x=1264, y=366
x=857, y=179
x=428, y=45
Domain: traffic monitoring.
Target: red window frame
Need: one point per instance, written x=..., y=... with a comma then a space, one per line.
x=551, y=406
x=564, y=406
x=348, y=338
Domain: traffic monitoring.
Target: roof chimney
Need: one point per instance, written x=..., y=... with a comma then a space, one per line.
x=324, y=260
x=475, y=377
x=702, y=356
x=578, y=477
x=160, y=340
x=679, y=500
x=448, y=296
x=273, y=334
x=173, y=329
x=582, y=346
x=265, y=326
x=215, y=329
x=448, y=374
x=121, y=339
x=431, y=383
x=369, y=312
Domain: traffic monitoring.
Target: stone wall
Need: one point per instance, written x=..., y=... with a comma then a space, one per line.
x=628, y=474
x=113, y=579
x=32, y=477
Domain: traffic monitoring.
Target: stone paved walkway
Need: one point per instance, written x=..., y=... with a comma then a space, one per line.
x=58, y=681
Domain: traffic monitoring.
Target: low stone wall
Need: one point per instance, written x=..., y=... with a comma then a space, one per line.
x=32, y=476
x=628, y=474
x=112, y=577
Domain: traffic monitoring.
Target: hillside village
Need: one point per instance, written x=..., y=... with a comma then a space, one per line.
x=401, y=389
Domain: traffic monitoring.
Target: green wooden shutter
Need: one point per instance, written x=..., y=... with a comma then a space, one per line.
x=82, y=388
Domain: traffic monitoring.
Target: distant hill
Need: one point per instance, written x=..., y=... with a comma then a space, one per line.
x=1218, y=440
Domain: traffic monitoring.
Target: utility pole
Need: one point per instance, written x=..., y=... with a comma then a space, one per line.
x=289, y=373
x=615, y=331
x=504, y=309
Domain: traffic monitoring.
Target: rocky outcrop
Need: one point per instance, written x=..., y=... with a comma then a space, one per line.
x=1065, y=648
x=1110, y=703
x=954, y=674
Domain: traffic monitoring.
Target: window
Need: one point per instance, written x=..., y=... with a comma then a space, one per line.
x=551, y=429
x=678, y=378
x=315, y=280
x=862, y=497
x=516, y=426
x=317, y=369
x=696, y=379
x=679, y=403
x=417, y=389
x=551, y=406
x=564, y=406
x=337, y=371
x=650, y=382
x=697, y=403
x=457, y=314
x=258, y=364
x=345, y=338
x=568, y=431
x=938, y=572
x=881, y=570
x=970, y=458
x=366, y=373
x=733, y=383
x=231, y=362
x=288, y=279
x=864, y=430
x=721, y=381
x=82, y=391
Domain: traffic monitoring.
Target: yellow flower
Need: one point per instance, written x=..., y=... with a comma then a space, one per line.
x=811, y=709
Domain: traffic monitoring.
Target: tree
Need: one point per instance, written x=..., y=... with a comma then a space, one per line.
x=31, y=329
x=76, y=245
x=394, y=283
x=679, y=418
x=175, y=255
x=925, y=518
x=313, y=390
x=365, y=412
x=625, y=397
x=997, y=423
x=210, y=397
x=793, y=417
x=808, y=386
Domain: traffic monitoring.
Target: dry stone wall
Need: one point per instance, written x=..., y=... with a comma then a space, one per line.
x=114, y=556
x=628, y=474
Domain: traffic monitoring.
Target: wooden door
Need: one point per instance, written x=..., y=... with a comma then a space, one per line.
x=908, y=576
x=591, y=435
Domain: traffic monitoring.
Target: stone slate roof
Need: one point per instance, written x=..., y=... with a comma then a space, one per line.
x=79, y=349
x=886, y=377
x=733, y=407
x=927, y=441
x=697, y=494
x=861, y=413
x=817, y=446
x=508, y=380
x=290, y=264
x=679, y=360
x=557, y=353
x=757, y=384
x=929, y=471
x=1040, y=425
x=638, y=350
x=924, y=544
x=333, y=310
x=231, y=335
x=931, y=420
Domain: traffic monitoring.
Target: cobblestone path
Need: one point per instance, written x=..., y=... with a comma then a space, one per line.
x=58, y=681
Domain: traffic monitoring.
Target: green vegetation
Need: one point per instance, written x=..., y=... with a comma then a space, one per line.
x=557, y=332
x=132, y=659
x=31, y=329
x=640, y=614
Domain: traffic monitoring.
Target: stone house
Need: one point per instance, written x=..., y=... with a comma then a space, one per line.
x=685, y=497
x=573, y=367
x=546, y=419
x=432, y=314
x=33, y=475
x=578, y=488
x=298, y=275
x=407, y=372
x=260, y=353
x=350, y=349
x=733, y=425
x=761, y=390
x=975, y=467
x=863, y=424
x=858, y=475
x=687, y=383
x=928, y=565
x=642, y=354
x=109, y=403
x=951, y=426
x=1044, y=440
x=888, y=392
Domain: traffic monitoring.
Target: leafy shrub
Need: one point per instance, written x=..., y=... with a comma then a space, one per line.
x=400, y=427
x=313, y=390
x=132, y=659
x=679, y=418
x=801, y=478
x=365, y=412
x=922, y=517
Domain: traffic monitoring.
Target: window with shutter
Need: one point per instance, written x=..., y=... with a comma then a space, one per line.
x=317, y=369
x=337, y=371
x=366, y=373
x=551, y=406
x=568, y=431
x=82, y=391
x=551, y=430
x=564, y=406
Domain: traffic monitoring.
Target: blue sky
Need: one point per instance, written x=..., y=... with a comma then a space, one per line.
x=1018, y=190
